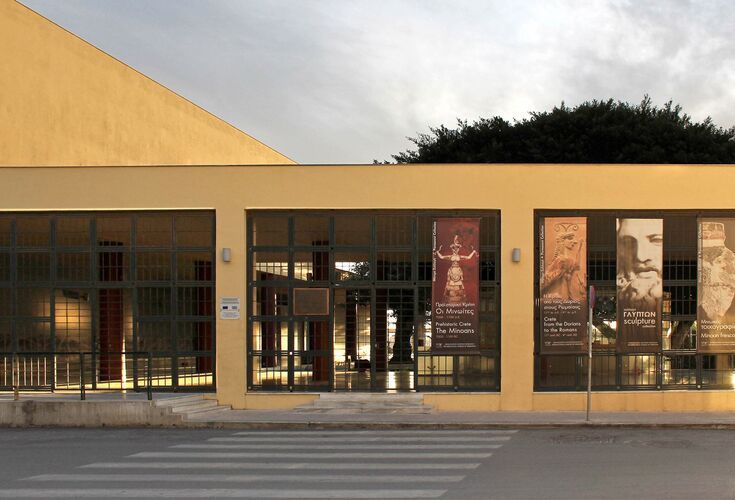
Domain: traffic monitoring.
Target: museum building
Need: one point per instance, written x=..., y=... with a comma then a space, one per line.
x=144, y=242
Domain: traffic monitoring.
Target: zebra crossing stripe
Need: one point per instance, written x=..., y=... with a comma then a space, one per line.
x=296, y=456
x=216, y=493
x=283, y=465
x=265, y=446
x=237, y=478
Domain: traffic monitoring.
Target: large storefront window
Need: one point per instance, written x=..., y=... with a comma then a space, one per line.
x=341, y=301
x=671, y=360
x=107, y=295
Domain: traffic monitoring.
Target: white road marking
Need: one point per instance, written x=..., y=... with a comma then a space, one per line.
x=269, y=447
x=244, y=478
x=215, y=493
x=366, y=439
x=297, y=456
x=399, y=432
x=281, y=465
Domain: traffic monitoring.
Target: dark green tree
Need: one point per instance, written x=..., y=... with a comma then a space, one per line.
x=593, y=132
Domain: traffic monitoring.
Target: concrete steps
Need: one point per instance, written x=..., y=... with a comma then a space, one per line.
x=195, y=407
x=335, y=403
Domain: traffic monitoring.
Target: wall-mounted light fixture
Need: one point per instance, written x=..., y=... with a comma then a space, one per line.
x=515, y=255
x=227, y=254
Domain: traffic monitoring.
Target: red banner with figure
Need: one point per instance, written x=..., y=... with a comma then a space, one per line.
x=455, y=289
x=563, y=285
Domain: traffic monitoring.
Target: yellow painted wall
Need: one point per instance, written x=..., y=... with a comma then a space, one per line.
x=516, y=190
x=65, y=102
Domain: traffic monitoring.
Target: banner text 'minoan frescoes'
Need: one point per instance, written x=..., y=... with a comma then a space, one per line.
x=563, y=284
x=716, y=286
x=639, y=285
x=455, y=286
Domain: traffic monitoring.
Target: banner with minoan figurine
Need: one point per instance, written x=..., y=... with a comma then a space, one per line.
x=563, y=285
x=640, y=244
x=716, y=286
x=455, y=286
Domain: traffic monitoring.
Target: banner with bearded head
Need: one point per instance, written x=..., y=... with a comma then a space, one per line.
x=640, y=245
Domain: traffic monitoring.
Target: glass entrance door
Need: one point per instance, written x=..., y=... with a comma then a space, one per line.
x=393, y=339
x=352, y=344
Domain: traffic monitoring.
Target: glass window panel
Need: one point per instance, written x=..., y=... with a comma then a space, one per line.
x=603, y=370
x=487, y=266
x=679, y=370
x=352, y=266
x=488, y=231
x=33, y=231
x=394, y=230
x=601, y=230
x=604, y=318
x=425, y=266
x=6, y=302
x=153, y=266
x=33, y=267
x=194, y=266
x=718, y=370
x=73, y=266
x=311, y=230
x=311, y=336
x=113, y=266
x=680, y=231
x=488, y=333
x=33, y=302
x=270, y=301
x=679, y=335
x=4, y=266
x=72, y=231
x=476, y=371
x=270, y=336
x=680, y=300
x=270, y=371
x=557, y=372
x=154, y=336
x=680, y=264
x=393, y=266
x=435, y=371
x=195, y=336
x=311, y=370
x=270, y=266
x=154, y=301
x=194, y=231
x=638, y=370
x=425, y=230
x=195, y=301
x=73, y=320
x=33, y=336
x=311, y=266
x=6, y=337
x=114, y=230
x=270, y=230
x=154, y=231
x=353, y=230
x=602, y=265
x=488, y=300
x=195, y=371
x=6, y=232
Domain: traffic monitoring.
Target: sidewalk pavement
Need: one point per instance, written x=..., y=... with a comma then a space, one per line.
x=386, y=419
x=289, y=419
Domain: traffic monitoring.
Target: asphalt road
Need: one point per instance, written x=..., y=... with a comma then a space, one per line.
x=527, y=464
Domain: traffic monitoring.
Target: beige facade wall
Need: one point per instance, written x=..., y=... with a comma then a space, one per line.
x=65, y=102
x=515, y=190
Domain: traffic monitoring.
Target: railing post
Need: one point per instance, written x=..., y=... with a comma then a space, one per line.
x=149, y=376
x=15, y=374
x=81, y=376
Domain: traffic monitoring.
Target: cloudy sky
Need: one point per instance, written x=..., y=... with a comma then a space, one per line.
x=338, y=81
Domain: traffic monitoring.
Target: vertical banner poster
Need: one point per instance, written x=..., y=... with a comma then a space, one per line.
x=716, y=286
x=455, y=286
x=563, y=285
x=640, y=245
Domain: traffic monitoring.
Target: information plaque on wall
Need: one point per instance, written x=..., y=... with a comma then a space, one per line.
x=311, y=301
x=229, y=308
